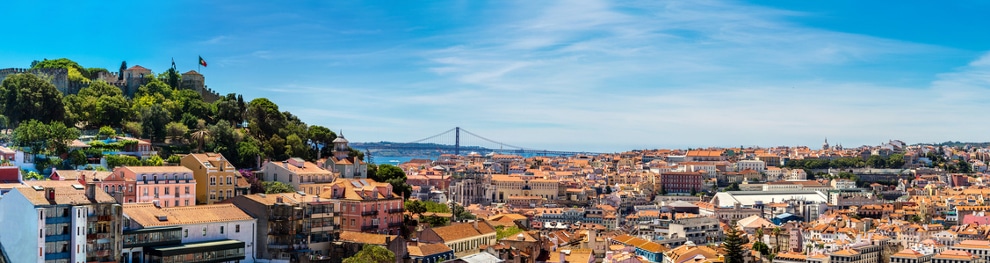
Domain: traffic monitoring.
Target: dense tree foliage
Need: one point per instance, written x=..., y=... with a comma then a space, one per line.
x=75, y=72
x=874, y=161
x=393, y=175
x=277, y=187
x=42, y=138
x=176, y=120
x=29, y=97
x=372, y=254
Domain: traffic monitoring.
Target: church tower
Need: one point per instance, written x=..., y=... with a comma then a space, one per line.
x=340, y=150
x=825, y=146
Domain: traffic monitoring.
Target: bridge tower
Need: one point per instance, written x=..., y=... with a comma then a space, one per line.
x=457, y=140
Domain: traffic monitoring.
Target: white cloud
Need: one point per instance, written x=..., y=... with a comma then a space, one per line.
x=609, y=76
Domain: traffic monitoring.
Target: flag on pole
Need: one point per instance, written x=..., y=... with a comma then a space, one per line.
x=202, y=61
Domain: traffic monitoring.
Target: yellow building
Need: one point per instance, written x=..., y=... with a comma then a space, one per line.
x=216, y=178
x=515, y=185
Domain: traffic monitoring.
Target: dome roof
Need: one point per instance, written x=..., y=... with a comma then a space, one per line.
x=340, y=139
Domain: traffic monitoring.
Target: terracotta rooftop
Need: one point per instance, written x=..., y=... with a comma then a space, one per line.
x=364, y=238
x=423, y=249
x=157, y=169
x=147, y=215
x=462, y=231
x=66, y=193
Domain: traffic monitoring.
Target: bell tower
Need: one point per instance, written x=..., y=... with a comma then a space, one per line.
x=340, y=149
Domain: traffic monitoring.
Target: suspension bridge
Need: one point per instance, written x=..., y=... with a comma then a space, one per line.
x=457, y=141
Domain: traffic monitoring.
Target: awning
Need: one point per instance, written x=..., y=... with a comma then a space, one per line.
x=189, y=248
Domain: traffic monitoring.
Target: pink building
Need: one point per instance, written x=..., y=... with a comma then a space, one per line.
x=366, y=205
x=168, y=185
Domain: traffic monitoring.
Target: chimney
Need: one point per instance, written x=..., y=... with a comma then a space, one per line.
x=91, y=191
x=157, y=204
x=50, y=194
x=475, y=223
x=563, y=257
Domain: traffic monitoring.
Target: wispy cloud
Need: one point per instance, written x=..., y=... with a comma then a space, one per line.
x=611, y=75
x=681, y=73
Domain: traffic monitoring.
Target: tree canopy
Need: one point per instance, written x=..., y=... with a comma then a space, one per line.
x=29, y=97
x=393, y=175
x=176, y=119
x=277, y=187
x=372, y=254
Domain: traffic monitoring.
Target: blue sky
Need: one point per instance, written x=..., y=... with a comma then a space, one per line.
x=564, y=75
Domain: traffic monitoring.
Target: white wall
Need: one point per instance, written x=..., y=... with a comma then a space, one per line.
x=78, y=228
x=247, y=234
x=22, y=227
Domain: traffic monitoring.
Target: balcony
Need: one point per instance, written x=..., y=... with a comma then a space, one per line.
x=278, y=246
x=368, y=228
x=396, y=210
x=369, y=213
x=394, y=224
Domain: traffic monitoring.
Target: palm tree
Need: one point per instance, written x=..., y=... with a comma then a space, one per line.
x=201, y=136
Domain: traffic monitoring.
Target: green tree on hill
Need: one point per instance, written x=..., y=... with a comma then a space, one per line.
x=27, y=97
x=43, y=138
x=264, y=119
x=75, y=72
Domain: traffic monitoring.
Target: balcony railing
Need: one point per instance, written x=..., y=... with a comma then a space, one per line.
x=368, y=228
x=278, y=246
x=394, y=224
x=370, y=213
x=395, y=210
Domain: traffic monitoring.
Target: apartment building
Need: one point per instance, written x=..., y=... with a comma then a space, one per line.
x=465, y=239
x=216, y=178
x=60, y=221
x=203, y=233
x=700, y=230
x=300, y=174
x=167, y=185
x=366, y=205
x=292, y=226
x=681, y=182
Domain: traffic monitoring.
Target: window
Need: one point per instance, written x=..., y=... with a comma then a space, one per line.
x=213, y=180
x=352, y=222
x=187, y=190
x=185, y=233
x=221, y=229
x=166, y=190
x=230, y=180
x=237, y=228
x=145, y=191
x=187, y=202
x=176, y=202
x=204, y=231
x=156, y=191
